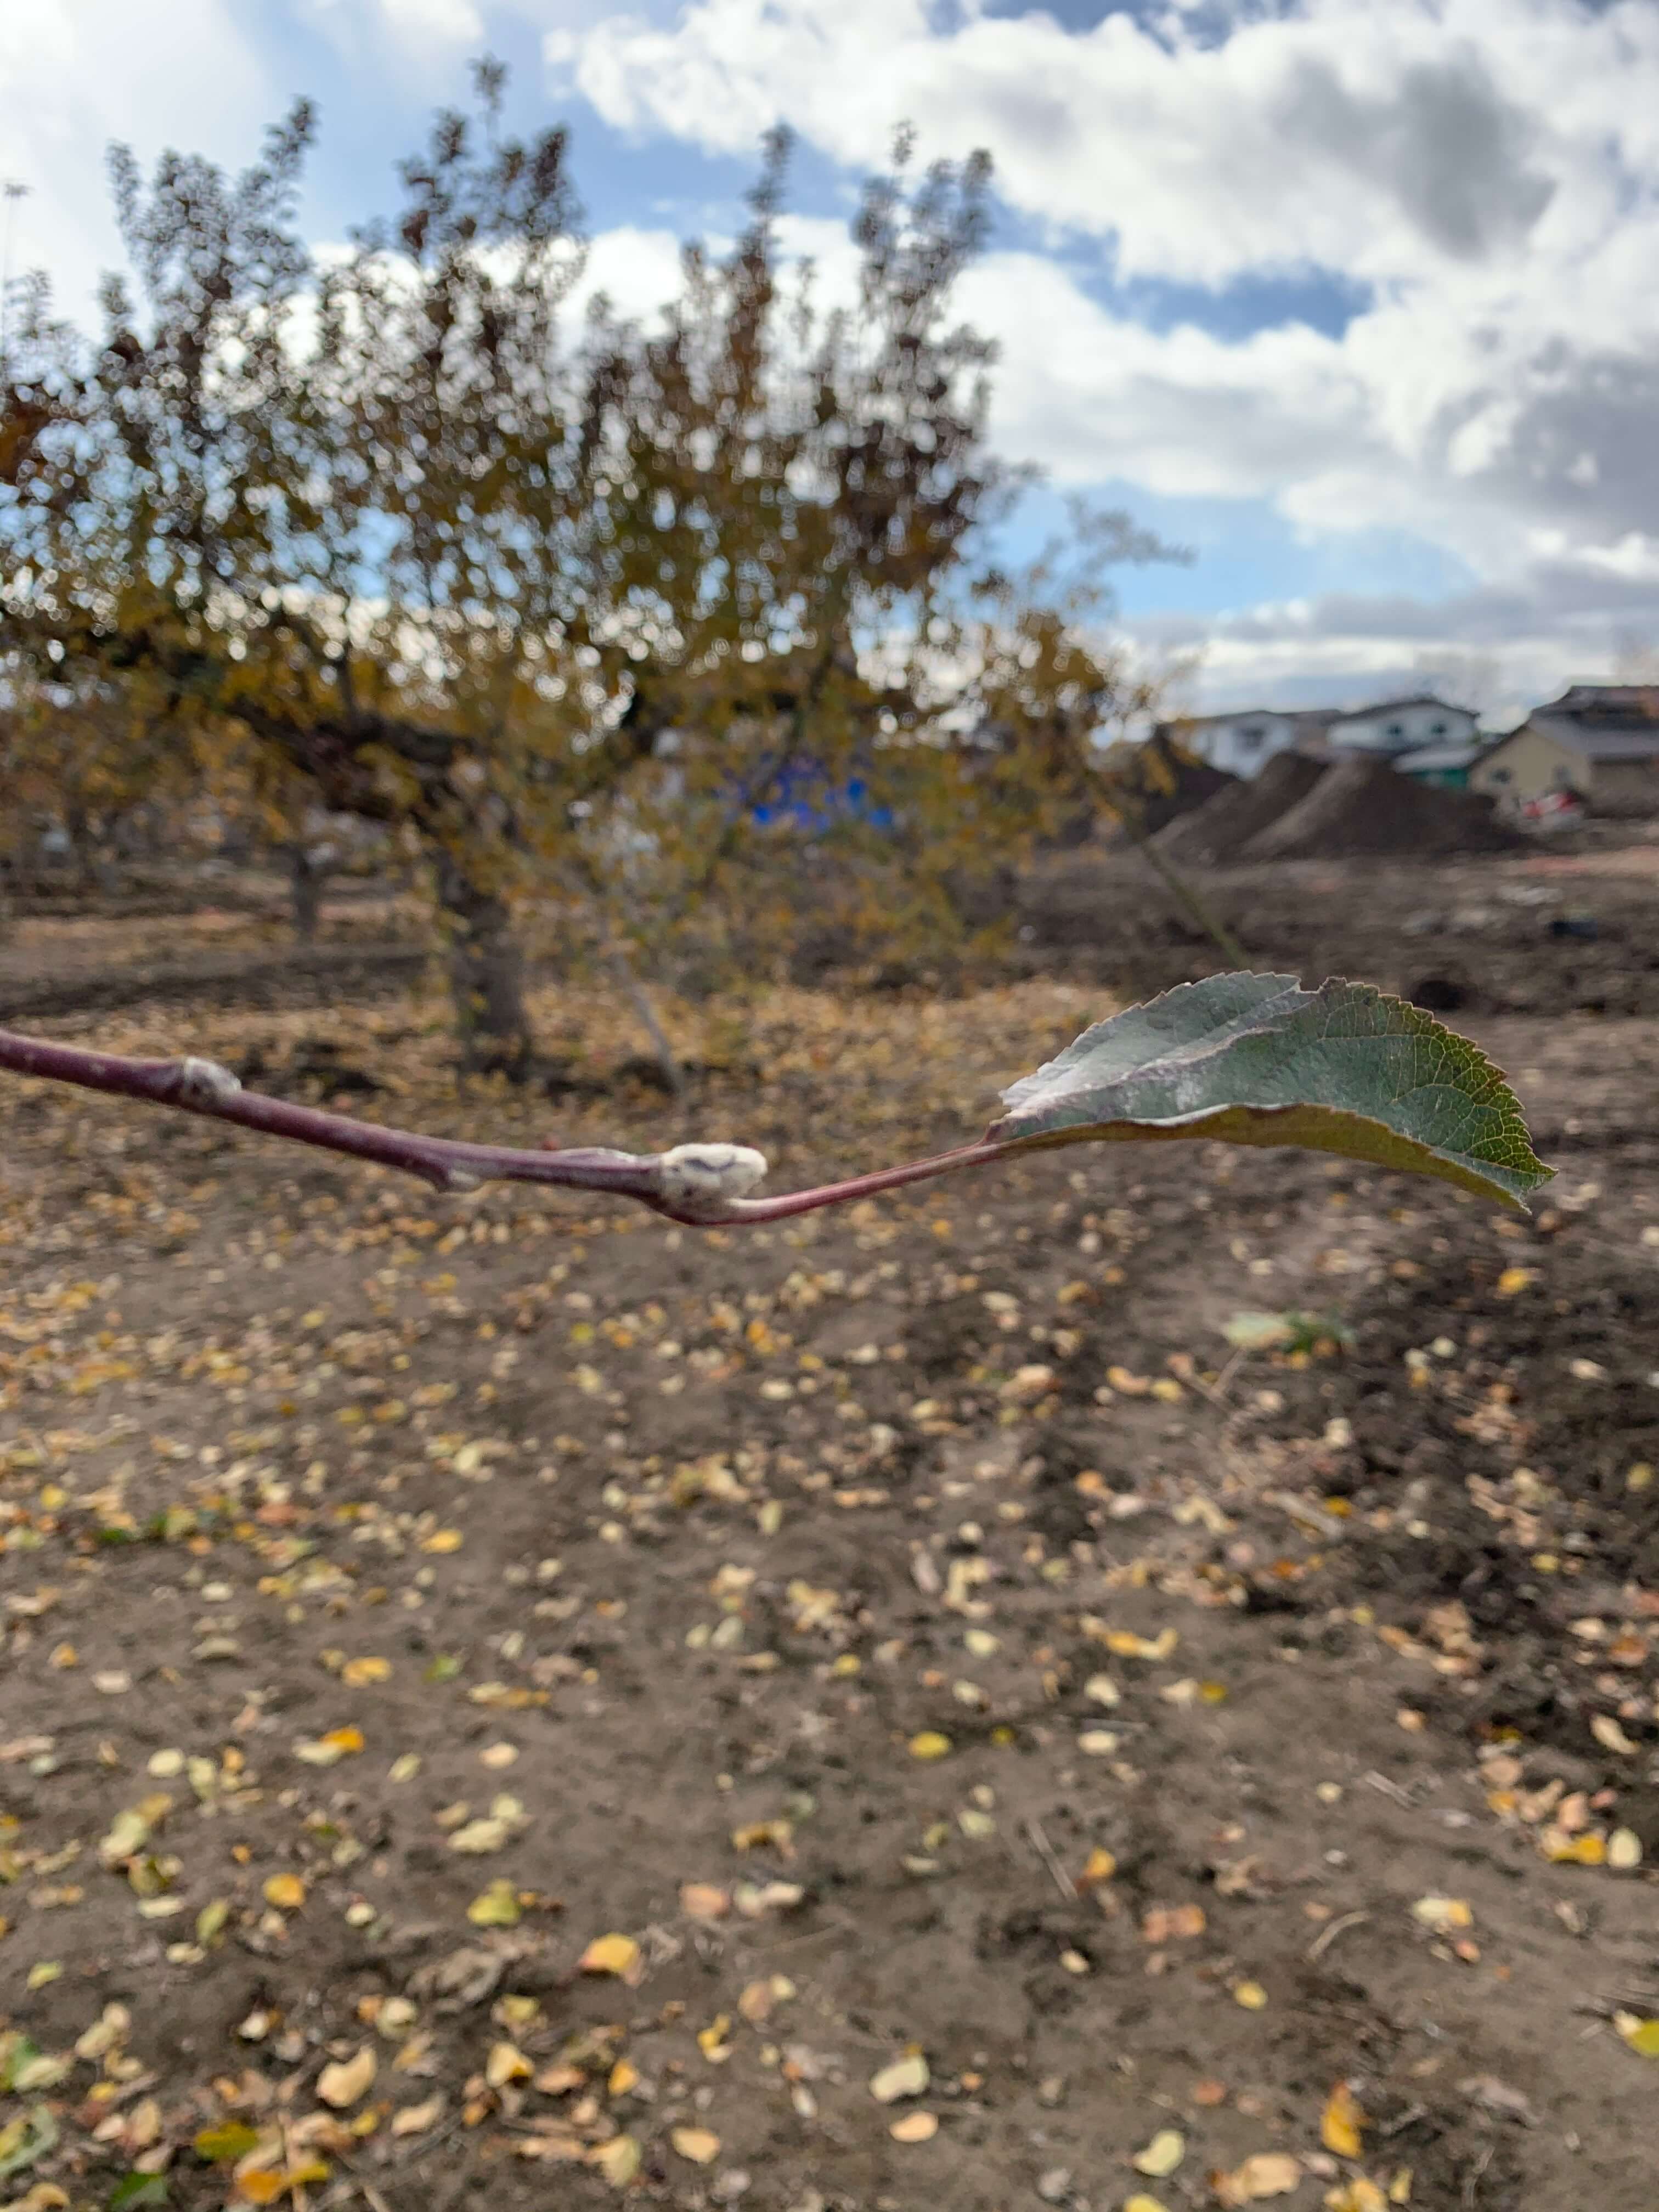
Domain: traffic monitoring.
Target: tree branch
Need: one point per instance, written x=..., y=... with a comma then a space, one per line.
x=703, y=1186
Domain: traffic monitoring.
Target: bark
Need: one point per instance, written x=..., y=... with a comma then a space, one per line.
x=307, y=877
x=486, y=973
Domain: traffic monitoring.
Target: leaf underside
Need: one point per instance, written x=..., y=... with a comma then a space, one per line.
x=1257, y=1060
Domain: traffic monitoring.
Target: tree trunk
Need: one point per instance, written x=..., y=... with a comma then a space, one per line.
x=486, y=973
x=306, y=880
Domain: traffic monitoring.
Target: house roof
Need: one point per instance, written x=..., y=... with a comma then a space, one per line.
x=1607, y=703
x=1395, y=706
x=1239, y=714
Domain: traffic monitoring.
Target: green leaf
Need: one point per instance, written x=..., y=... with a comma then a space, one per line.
x=134, y=2190
x=225, y=2144
x=25, y=2139
x=1257, y=1060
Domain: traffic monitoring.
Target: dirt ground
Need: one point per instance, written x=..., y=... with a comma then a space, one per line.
x=507, y=1705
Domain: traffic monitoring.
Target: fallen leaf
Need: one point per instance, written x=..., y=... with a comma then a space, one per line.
x=1266, y=2173
x=1250, y=1995
x=224, y=2145
x=416, y=2119
x=479, y=1837
x=287, y=1891
x=619, y=2161
x=506, y=2062
x=1609, y=1733
x=612, y=1954
x=1341, y=2122
x=928, y=1743
x=1443, y=1914
x=1642, y=2035
x=906, y=2077
x=699, y=2145
x=343, y=2083
x=1162, y=2156
x=701, y=1900
x=914, y=2128
x=495, y=1907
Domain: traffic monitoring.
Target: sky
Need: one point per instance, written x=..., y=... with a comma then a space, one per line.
x=1356, y=300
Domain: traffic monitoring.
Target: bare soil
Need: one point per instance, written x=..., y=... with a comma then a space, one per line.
x=918, y=1630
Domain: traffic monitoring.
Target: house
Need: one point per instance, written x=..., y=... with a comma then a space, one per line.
x=1600, y=740
x=1400, y=726
x=1244, y=742
x=1446, y=767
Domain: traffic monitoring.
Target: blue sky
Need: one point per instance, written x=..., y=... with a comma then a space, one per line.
x=1357, y=299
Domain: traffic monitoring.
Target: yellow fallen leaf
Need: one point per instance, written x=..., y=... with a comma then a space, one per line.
x=928, y=1743
x=1141, y=2203
x=612, y=1954
x=478, y=1837
x=1590, y=1848
x=358, y=1674
x=443, y=1540
x=1359, y=2195
x=1162, y=2156
x=326, y=1750
x=1513, y=1281
x=1341, y=2122
x=287, y=1891
x=416, y=2119
x=496, y=1907
x=226, y=2144
x=619, y=2161
x=715, y=2040
x=344, y=2082
x=505, y=2064
x=1266, y=2173
x=699, y=2145
x=1443, y=1914
x=701, y=1900
x=262, y=2185
x=914, y=2128
x=1250, y=1995
x=1611, y=1737
x=906, y=2077
x=1642, y=2035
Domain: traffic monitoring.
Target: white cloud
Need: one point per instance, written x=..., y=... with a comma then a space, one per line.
x=75, y=74
x=1488, y=170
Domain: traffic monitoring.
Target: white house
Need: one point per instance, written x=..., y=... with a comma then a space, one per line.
x=1242, y=742
x=1400, y=726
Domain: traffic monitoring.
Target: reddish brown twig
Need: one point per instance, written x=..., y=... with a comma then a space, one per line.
x=703, y=1186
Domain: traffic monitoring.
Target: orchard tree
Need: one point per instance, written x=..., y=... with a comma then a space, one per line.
x=576, y=602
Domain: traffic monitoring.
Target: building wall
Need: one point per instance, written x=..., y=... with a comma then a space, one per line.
x=1401, y=731
x=1242, y=744
x=1530, y=765
x=1626, y=787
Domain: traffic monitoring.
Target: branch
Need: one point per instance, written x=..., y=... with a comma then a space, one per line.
x=703, y=1186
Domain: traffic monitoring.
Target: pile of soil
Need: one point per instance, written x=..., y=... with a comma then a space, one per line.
x=1227, y=822
x=1366, y=806
x=1164, y=782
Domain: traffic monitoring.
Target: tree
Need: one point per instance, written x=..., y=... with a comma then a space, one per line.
x=559, y=601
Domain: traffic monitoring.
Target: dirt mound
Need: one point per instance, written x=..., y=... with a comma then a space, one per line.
x=1158, y=781
x=1228, y=820
x=1366, y=806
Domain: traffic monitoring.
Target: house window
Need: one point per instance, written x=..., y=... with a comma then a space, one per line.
x=1250, y=740
x=1395, y=730
x=1437, y=729
x=1501, y=775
